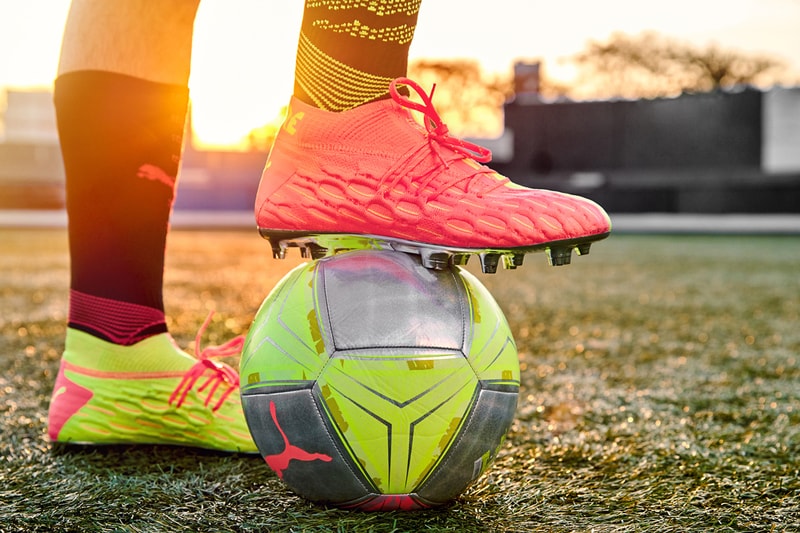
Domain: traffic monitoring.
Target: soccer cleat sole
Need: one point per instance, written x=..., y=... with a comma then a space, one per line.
x=437, y=257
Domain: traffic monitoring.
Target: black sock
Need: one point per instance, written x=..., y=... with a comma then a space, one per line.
x=121, y=140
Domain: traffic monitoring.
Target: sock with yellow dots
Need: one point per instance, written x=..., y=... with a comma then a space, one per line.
x=350, y=50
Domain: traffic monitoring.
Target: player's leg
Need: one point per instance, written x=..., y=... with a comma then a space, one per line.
x=351, y=168
x=121, y=98
x=348, y=52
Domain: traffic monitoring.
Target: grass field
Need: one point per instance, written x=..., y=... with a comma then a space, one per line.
x=661, y=392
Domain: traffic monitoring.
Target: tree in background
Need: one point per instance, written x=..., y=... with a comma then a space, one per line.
x=650, y=65
x=469, y=100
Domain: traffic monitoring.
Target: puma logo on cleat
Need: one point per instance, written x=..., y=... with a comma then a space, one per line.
x=280, y=462
x=154, y=173
x=292, y=120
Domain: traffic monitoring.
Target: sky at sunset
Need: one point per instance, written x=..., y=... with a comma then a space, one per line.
x=244, y=49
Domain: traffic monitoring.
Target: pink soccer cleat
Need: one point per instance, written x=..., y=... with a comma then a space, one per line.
x=373, y=177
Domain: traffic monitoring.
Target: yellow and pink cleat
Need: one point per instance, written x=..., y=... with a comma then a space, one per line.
x=151, y=392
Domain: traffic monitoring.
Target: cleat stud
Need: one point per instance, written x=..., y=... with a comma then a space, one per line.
x=559, y=255
x=434, y=260
x=305, y=253
x=583, y=249
x=278, y=251
x=460, y=259
x=513, y=261
x=489, y=262
x=317, y=251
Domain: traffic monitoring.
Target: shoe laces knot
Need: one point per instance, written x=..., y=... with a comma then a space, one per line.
x=221, y=375
x=438, y=133
x=438, y=138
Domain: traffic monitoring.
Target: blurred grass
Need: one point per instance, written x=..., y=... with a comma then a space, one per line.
x=661, y=392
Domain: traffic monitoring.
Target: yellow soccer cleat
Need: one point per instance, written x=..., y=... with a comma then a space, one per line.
x=151, y=392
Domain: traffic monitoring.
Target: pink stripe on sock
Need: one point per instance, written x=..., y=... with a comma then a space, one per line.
x=120, y=322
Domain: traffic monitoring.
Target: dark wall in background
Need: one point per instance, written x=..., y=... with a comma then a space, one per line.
x=694, y=153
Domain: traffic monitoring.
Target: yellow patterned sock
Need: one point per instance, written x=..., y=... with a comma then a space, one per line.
x=350, y=50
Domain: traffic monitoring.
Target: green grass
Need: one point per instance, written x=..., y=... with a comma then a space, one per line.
x=661, y=392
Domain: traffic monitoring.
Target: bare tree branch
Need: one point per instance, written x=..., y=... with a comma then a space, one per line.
x=469, y=100
x=651, y=65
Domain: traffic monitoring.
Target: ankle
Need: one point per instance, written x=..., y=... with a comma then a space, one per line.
x=114, y=321
x=157, y=353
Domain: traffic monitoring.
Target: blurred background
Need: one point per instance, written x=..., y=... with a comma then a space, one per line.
x=679, y=107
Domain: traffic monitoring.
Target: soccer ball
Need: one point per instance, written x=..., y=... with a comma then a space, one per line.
x=371, y=382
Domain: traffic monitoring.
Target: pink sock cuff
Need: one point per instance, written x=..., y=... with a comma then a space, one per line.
x=118, y=322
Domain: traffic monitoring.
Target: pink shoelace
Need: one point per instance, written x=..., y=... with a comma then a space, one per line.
x=221, y=374
x=438, y=136
x=437, y=129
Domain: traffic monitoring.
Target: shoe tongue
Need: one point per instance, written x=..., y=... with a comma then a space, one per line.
x=381, y=124
x=156, y=354
x=389, y=124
